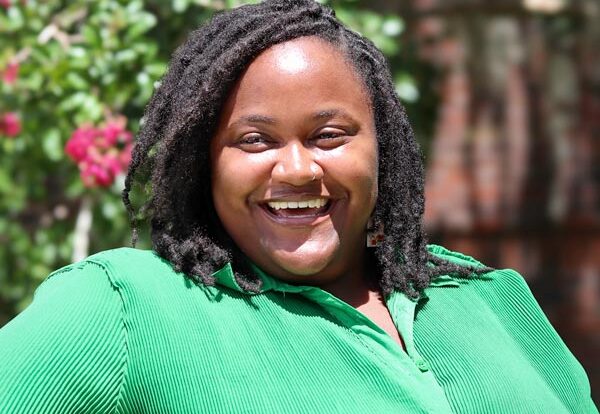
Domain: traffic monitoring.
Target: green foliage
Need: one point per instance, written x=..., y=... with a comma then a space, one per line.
x=83, y=62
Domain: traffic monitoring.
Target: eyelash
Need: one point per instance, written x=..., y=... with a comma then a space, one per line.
x=330, y=135
x=254, y=139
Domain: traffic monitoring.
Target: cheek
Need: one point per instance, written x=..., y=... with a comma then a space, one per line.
x=367, y=173
x=369, y=181
x=235, y=177
x=372, y=162
x=224, y=186
x=360, y=167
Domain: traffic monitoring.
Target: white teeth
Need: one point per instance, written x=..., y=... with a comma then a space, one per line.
x=315, y=203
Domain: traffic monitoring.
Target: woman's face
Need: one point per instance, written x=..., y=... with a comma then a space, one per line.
x=294, y=163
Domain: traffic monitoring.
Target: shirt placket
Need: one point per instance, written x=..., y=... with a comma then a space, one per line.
x=402, y=310
x=392, y=356
x=410, y=362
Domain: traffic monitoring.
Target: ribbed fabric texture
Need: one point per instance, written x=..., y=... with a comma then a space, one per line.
x=121, y=332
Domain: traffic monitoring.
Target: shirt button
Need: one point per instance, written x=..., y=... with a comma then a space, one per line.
x=423, y=366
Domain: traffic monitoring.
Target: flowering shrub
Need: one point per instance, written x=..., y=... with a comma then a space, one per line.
x=10, y=73
x=65, y=65
x=100, y=153
x=10, y=124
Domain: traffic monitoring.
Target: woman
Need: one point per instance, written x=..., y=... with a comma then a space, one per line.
x=273, y=141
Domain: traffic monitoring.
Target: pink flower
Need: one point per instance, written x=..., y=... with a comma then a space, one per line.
x=80, y=142
x=125, y=156
x=114, y=132
x=111, y=133
x=5, y=3
x=10, y=124
x=10, y=73
x=94, y=175
x=112, y=163
x=101, y=153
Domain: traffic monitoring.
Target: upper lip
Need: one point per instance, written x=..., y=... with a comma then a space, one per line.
x=288, y=199
x=293, y=197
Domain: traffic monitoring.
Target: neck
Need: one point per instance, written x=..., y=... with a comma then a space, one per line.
x=358, y=286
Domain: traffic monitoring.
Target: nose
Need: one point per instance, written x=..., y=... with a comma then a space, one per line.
x=296, y=165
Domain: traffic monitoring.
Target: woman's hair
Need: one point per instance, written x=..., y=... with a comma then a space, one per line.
x=181, y=117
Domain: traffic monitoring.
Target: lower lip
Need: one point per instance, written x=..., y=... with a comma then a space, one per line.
x=300, y=221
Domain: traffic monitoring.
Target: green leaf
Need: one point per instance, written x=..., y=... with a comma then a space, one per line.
x=406, y=88
x=74, y=101
x=180, y=6
x=143, y=23
x=76, y=52
x=15, y=19
x=91, y=36
x=392, y=26
x=76, y=81
x=126, y=55
x=52, y=145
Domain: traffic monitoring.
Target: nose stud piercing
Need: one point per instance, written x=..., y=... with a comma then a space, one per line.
x=314, y=174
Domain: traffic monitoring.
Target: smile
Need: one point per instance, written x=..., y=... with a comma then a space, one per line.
x=304, y=212
x=284, y=205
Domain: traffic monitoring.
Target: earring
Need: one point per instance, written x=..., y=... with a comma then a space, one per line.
x=374, y=233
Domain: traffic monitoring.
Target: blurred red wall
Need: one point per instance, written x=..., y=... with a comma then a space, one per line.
x=513, y=170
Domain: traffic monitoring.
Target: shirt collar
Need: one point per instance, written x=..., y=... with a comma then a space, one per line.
x=444, y=281
x=225, y=277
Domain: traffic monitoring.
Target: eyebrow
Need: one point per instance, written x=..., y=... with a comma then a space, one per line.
x=256, y=119
x=264, y=119
x=332, y=113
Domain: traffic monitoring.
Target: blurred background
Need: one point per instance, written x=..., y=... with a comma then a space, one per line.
x=504, y=96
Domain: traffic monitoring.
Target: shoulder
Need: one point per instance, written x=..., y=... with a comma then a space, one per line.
x=128, y=263
x=508, y=279
x=500, y=295
x=148, y=286
x=452, y=256
x=124, y=266
x=95, y=283
x=502, y=292
x=76, y=319
x=126, y=271
x=126, y=258
x=497, y=318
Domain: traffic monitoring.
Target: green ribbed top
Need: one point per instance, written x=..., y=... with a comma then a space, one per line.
x=122, y=332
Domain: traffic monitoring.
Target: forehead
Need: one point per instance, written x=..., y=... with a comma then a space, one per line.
x=306, y=69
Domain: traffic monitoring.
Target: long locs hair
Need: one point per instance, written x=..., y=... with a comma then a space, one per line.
x=172, y=146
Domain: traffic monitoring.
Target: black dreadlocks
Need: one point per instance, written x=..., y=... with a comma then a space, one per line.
x=181, y=117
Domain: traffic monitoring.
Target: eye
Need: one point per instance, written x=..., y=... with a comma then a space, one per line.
x=329, y=135
x=330, y=138
x=253, y=142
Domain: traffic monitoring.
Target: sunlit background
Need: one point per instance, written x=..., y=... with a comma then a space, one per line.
x=504, y=96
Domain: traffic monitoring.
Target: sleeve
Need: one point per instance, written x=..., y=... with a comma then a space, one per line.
x=66, y=352
x=547, y=351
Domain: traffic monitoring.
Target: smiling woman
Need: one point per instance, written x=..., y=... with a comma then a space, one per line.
x=298, y=145
x=274, y=142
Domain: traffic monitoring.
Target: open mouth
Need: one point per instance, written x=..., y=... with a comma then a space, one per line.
x=305, y=209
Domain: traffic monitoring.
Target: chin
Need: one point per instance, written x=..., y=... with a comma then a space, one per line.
x=303, y=263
